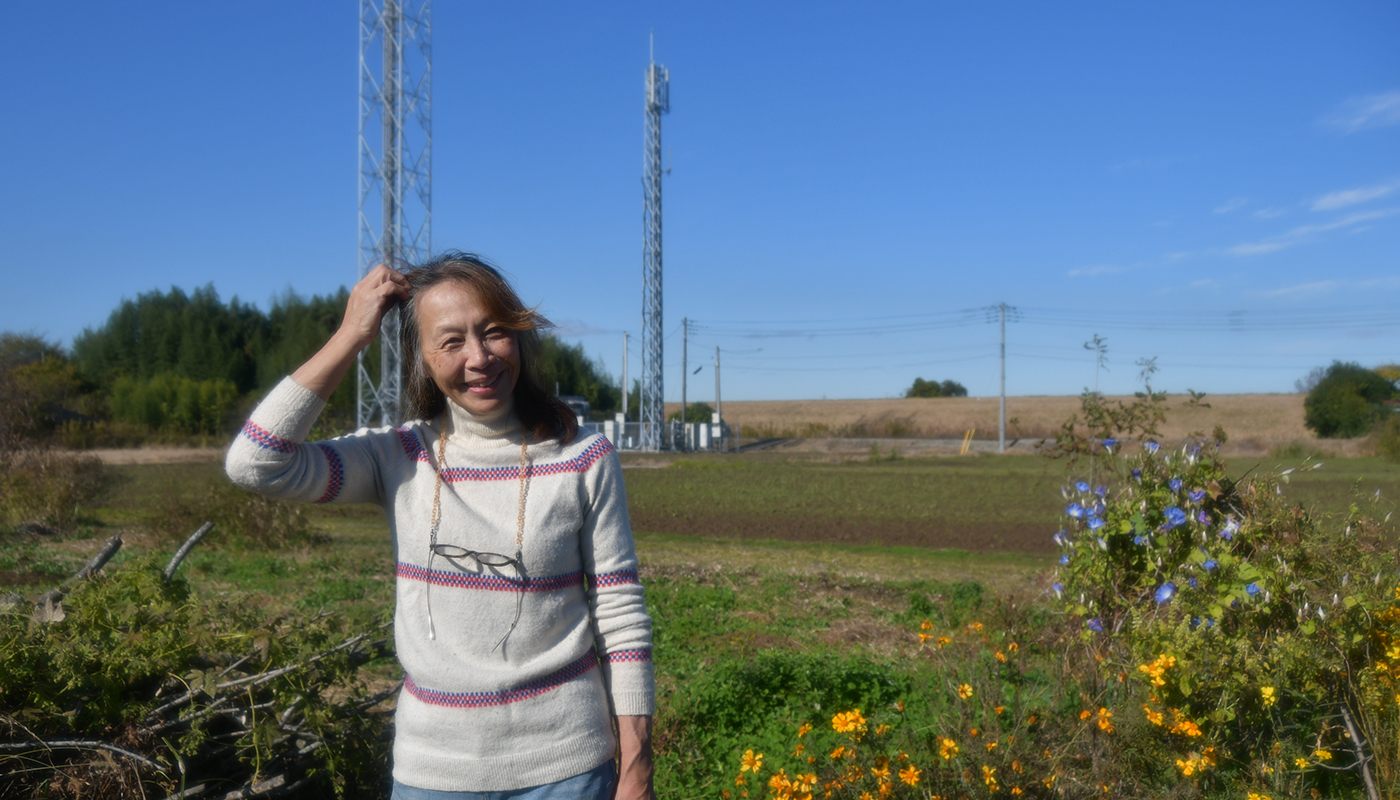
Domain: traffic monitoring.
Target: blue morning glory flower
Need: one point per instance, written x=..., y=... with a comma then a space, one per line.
x=1228, y=532
x=1165, y=592
x=1095, y=624
x=1060, y=538
x=1101, y=491
x=1196, y=495
x=1252, y=589
x=1210, y=564
x=1202, y=518
x=1064, y=559
x=1109, y=443
x=1175, y=483
x=1175, y=517
x=1057, y=587
x=1081, y=486
x=1210, y=623
x=1075, y=510
x=1194, y=584
x=1137, y=473
x=1095, y=523
x=1098, y=508
x=1140, y=540
x=1150, y=447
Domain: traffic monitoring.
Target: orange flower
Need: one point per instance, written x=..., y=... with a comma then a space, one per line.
x=926, y=625
x=802, y=731
x=964, y=691
x=848, y=722
x=751, y=762
x=947, y=748
x=838, y=752
x=1013, y=647
x=909, y=775
x=1106, y=720
x=1001, y=656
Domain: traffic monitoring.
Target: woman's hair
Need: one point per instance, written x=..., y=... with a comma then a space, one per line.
x=542, y=413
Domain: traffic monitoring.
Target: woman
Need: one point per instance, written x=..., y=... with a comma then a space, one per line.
x=519, y=621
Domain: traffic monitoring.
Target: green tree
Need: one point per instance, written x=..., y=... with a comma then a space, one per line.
x=567, y=367
x=948, y=388
x=695, y=412
x=1347, y=401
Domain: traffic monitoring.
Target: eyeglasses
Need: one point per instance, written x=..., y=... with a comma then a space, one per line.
x=492, y=561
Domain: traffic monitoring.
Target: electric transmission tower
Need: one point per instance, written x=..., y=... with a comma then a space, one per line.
x=396, y=187
x=658, y=102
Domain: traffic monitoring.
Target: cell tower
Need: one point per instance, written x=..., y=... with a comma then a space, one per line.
x=658, y=102
x=396, y=178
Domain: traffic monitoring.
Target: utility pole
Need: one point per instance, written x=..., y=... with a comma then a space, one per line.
x=1001, y=439
x=624, y=375
x=719, y=407
x=685, y=368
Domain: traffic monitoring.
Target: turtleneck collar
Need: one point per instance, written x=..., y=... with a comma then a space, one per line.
x=478, y=431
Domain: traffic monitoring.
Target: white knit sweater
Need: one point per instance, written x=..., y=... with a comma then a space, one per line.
x=537, y=710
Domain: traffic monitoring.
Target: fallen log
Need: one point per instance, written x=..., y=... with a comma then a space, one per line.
x=185, y=549
x=104, y=555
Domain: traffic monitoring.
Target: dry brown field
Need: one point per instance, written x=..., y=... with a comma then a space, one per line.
x=1254, y=422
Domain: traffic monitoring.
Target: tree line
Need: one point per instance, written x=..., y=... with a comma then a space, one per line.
x=175, y=364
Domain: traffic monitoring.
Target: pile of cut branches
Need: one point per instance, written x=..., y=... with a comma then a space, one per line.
x=124, y=684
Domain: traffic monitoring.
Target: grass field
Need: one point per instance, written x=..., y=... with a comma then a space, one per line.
x=765, y=573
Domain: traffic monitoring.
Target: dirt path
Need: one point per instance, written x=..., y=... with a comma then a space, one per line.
x=159, y=455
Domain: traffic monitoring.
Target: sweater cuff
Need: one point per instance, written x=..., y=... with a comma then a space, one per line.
x=631, y=684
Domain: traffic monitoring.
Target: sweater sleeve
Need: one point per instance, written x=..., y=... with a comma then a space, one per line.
x=615, y=596
x=270, y=455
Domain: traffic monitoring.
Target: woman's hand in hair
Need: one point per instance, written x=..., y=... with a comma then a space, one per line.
x=370, y=300
x=374, y=295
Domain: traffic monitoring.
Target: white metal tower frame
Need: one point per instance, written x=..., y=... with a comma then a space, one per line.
x=658, y=102
x=396, y=179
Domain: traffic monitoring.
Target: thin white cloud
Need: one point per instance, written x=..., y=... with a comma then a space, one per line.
x=1097, y=269
x=1316, y=287
x=1233, y=204
x=1269, y=213
x=1372, y=111
x=1350, y=197
x=1302, y=232
x=1200, y=283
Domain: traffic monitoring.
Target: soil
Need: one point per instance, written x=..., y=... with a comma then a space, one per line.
x=981, y=538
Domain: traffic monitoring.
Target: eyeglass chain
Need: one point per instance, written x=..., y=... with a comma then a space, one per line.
x=437, y=490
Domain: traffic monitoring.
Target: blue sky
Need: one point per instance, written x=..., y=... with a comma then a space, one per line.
x=852, y=184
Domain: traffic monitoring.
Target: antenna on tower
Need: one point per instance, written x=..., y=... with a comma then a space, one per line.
x=658, y=102
x=396, y=78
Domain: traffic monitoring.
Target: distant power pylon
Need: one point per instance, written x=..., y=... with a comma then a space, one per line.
x=658, y=102
x=396, y=176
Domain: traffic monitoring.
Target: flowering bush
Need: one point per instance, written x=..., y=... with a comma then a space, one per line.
x=1261, y=639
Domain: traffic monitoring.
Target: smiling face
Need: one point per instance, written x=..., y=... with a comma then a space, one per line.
x=472, y=359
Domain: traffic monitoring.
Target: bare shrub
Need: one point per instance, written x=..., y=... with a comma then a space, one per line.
x=245, y=520
x=49, y=487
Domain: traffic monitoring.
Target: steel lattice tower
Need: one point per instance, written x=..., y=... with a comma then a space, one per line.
x=658, y=102
x=396, y=114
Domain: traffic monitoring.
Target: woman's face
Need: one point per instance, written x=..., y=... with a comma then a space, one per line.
x=472, y=359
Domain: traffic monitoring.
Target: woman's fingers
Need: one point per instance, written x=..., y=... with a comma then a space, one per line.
x=374, y=295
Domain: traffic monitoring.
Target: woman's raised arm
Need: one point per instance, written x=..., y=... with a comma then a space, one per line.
x=371, y=298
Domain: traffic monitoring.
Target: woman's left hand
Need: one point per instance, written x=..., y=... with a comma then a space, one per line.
x=634, y=774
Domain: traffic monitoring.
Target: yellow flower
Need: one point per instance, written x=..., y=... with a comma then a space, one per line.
x=975, y=627
x=1267, y=692
x=1106, y=720
x=849, y=721
x=838, y=752
x=866, y=796
x=740, y=780
x=947, y=748
x=881, y=730
x=1300, y=763
x=1001, y=656
x=964, y=691
x=989, y=777
x=926, y=625
x=999, y=709
x=973, y=733
x=802, y=731
x=1187, y=767
x=725, y=793
x=751, y=762
x=1322, y=755
x=881, y=773
x=909, y=775
x=797, y=751
x=1184, y=726
x=899, y=706
x=1013, y=647
x=1208, y=757
x=1257, y=796
x=1016, y=767
x=942, y=640
x=1015, y=791
x=924, y=637
x=1085, y=714
x=1154, y=717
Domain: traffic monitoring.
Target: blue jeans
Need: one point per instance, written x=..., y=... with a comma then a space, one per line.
x=596, y=784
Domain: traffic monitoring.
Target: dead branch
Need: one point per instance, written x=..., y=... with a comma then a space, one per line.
x=103, y=556
x=1359, y=746
x=80, y=744
x=185, y=549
